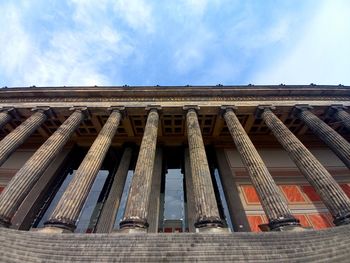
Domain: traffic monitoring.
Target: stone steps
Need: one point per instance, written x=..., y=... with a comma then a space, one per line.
x=309, y=246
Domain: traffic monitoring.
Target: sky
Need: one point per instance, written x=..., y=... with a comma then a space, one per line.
x=174, y=42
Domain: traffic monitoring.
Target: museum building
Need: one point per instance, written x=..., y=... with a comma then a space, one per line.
x=174, y=173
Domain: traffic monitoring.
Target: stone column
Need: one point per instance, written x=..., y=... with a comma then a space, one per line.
x=154, y=200
x=15, y=138
x=275, y=207
x=5, y=116
x=334, y=140
x=110, y=208
x=339, y=113
x=191, y=206
x=135, y=216
x=207, y=213
x=28, y=175
x=330, y=192
x=72, y=201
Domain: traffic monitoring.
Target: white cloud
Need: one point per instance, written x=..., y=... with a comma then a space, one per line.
x=138, y=14
x=72, y=55
x=191, y=53
x=320, y=55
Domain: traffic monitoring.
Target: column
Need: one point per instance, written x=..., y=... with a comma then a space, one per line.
x=231, y=190
x=154, y=200
x=15, y=138
x=339, y=113
x=5, y=116
x=275, y=207
x=69, y=207
x=330, y=192
x=191, y=206
x=334, y=140
x=110, y=208
x=135, y=216
x=28, y=175
x=207, y=213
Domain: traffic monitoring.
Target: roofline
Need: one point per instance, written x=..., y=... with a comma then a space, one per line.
x=175, y=91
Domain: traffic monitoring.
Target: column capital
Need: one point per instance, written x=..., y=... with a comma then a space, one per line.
x=121, y=110
x=7, y=109
x=334, y=108
x=47, y=110
x=299, y=108
x=188, y=108
x=10, y=110
x=225, y=108
x=261, y=108
x=82, y=109
x=152, y=107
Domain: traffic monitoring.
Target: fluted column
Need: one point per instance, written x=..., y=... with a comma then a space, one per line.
x=154, y=200
x=334, y=140
x=191, y=206
x=135, y=216
x=330, y=192
x=28, y=175
x=15, y=138
x=5, y=116
x=275, y=207
x=339, y=113
x=69, y=207
x=207, y=213
x=110, y=208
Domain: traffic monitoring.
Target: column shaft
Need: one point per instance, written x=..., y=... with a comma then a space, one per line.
x=191, y=205
x=275, y=207
x=154, y=201
x=342, y=116
x=110, y=208
x=334, y=140
x=206, y=206
x=28, y=175
x=330, y=192
x=5, y=117
x=69, y=207
x=135, y=216
x=15, y=138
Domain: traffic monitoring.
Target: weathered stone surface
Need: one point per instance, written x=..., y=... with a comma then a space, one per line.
x=329, y=245
x=28, y=175
x=275, y=207
x=15, y=138
x=190, y=205
x=330, y=192
x=231, y=190
x=5, y=116
x=207, y=213
x=334, y=140
x=341, y=115
x=110, y=208
x=69, y=207
x=154, y=201
x=135, y=216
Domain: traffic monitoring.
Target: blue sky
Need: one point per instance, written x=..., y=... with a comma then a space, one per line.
x=168, y=42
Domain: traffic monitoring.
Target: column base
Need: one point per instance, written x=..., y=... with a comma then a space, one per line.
x=209, y=222
x=284, y=224
x=67, y=226
x=213, y=230
x=342, y=220
x=53, y=230
x=134, y=223
x=136, y=230
x=4, y=222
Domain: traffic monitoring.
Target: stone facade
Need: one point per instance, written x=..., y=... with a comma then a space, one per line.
x=224, y=148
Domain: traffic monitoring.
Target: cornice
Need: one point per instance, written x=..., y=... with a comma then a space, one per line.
x=175, y=93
